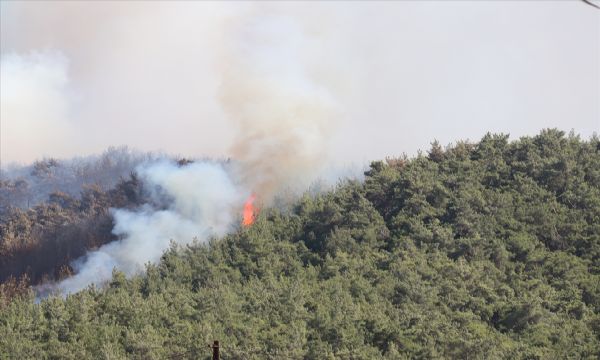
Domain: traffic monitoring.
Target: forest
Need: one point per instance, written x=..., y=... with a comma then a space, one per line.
x=475, y=250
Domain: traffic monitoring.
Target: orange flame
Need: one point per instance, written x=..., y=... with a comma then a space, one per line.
x=250, y=211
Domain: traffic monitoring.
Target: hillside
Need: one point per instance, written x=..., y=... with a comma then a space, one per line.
x=52, y=211
x=479, y=250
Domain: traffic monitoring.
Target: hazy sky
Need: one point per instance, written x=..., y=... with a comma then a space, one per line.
x=77, y=77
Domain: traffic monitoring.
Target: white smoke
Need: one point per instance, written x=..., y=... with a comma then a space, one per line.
x=34, y=96
x=201, y=202
x=283, y=112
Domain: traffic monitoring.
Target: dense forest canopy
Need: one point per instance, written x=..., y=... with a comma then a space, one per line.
x=477, y=250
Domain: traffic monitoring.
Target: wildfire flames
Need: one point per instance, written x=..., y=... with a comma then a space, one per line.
x=250, y=211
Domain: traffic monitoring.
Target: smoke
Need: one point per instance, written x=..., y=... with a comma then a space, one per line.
x=151, y=74
x=281, y=88
x=284, y=113
x=141, y=74
x=194, y=202
x=240, y=80
x=34, y=96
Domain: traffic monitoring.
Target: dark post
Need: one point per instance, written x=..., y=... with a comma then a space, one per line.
x=215, y=348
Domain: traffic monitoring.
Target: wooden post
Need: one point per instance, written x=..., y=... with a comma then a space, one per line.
x=215, y=348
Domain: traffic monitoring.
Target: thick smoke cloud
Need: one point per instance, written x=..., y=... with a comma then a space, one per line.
x=241, y=80
x=141, y=74
x=193, y=202
x=283, y=116
x=283, y=112
x=150, y=74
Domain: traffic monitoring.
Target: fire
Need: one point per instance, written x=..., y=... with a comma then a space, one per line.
x=250, y=211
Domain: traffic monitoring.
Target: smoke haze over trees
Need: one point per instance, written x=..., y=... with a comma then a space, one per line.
x=485, y=250
x=24, y=186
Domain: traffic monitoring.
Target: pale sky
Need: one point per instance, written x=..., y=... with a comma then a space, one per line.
x=78, y=77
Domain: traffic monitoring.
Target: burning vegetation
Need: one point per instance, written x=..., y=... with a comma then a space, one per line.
x=419, y=245
x=250, y=211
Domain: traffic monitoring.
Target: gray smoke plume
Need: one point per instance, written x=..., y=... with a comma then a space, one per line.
x=283, y=110
x=283, y=116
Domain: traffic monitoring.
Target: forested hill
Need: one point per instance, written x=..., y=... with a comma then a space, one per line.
x=477, y=251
